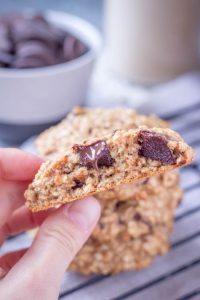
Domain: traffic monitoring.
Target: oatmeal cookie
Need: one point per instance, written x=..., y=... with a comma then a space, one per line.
x=130, y=234
x=124, y=156
x=83, y=123
x=136, y=218
x=143, y=188
x=120, y=255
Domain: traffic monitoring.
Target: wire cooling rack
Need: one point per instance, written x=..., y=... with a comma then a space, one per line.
x=175, y=276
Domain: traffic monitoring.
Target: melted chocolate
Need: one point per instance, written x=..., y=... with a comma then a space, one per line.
x=95, y=155
x=154, y=146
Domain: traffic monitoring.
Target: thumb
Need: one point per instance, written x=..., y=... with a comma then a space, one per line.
x=59, y=239
x=63, y=233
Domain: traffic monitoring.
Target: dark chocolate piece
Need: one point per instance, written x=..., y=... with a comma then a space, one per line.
x=69, y=47
x=34, y=42
x=58, y=34
x=79, y=48
x=139, y=218
x=154, y=146
x=3, y=30
x=95, y=155
x=35, y=49
x=78, y=184
x=119, y=204
x=73, y=48
x=5, y=45
x=26, y=30
x=5, y=58
x=5, y=42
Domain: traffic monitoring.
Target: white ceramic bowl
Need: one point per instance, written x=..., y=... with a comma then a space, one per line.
x=43, y=95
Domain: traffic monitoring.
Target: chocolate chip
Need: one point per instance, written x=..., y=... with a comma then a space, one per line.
x=5, y=42
x=137, y=216
x=58, y=34
x=73, y=47
x=27, y=30
x=95, y=155
x=68, y=47
x=35, y=49
x=119, y=204
x=5, y=58
x=11, y=19
x=101, y=225
x=5, y=45
x=79, y=48
x=78, y=184
x=145, y=181
x=3, y=30
x=67, y=172
x=35, y=42
x=154, y=146
x=121, y=222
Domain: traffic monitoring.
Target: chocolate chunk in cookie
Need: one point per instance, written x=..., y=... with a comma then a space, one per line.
x=5, y=58
x=95, y=155
x=78, y=184
x=154, y=146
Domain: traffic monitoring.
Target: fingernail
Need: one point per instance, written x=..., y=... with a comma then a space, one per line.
x=83, y=213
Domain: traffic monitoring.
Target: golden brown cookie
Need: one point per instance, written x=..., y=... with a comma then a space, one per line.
x=131, y=233
x=124, y=156
x=136, y=218
x=87, y=123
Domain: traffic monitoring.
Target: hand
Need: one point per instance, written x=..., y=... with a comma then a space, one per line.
x=37, y=273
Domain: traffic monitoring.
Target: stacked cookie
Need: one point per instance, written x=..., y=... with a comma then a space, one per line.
x=136, y=218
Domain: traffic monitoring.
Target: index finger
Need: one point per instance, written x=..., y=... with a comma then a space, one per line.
x=18, y=165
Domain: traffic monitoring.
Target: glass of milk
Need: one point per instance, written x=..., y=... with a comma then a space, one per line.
x=151, y=41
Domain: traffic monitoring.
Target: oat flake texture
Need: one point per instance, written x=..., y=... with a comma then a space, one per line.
x=137, y=218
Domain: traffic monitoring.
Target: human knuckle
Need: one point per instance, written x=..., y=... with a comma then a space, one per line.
x=64, y=239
